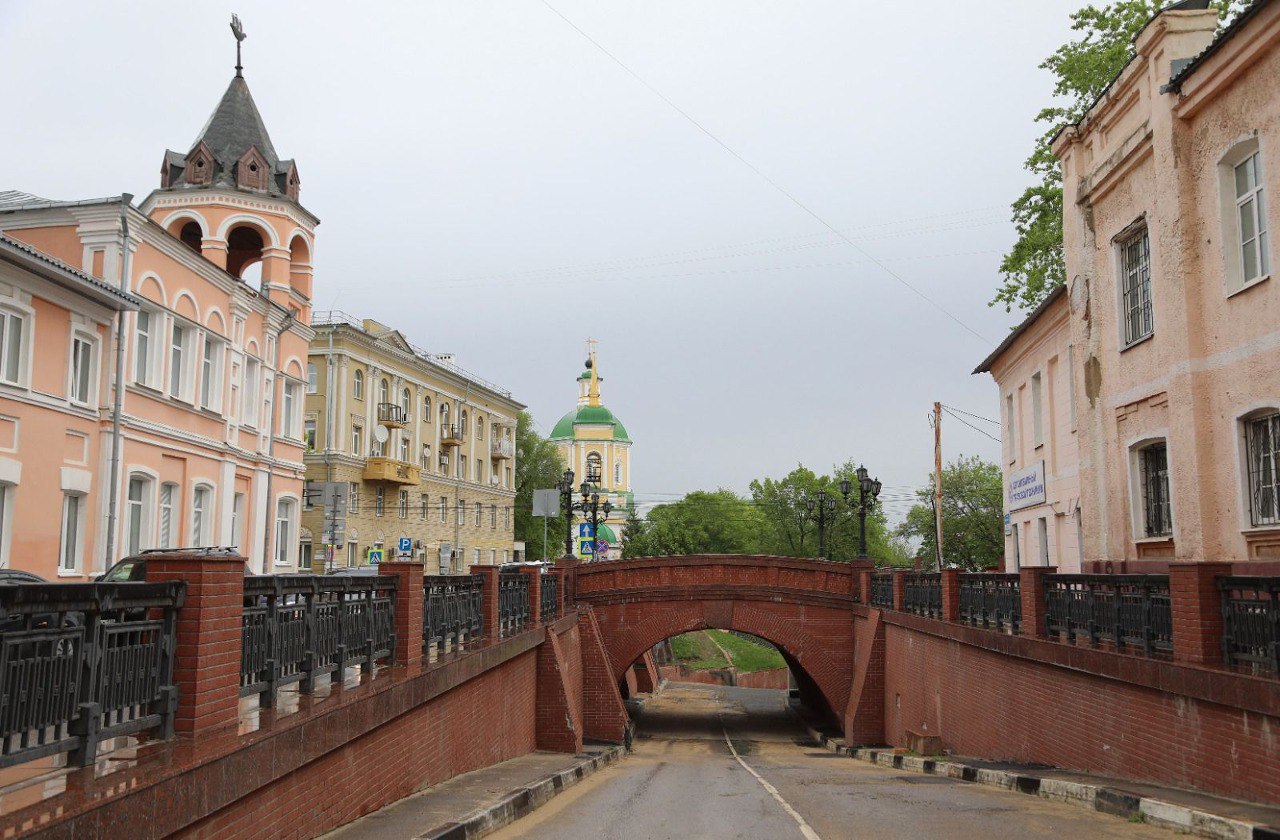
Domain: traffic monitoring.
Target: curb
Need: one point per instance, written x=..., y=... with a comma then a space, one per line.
x=1107, y=800
x=520, y=801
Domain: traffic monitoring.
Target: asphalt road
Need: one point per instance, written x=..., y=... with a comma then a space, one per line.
x=684, y=782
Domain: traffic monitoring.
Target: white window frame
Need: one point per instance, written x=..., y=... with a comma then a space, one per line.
x=74, y=530
x=1011, y=426
x=148, y=357
x=404, y=448
x=78, y=376
x=402, y=504
x=143, y=508
x=202, y=515
x=357, y=385
x=15, y=354
x=8, y=497
x=310, y=430
x=357, y=441
x=212, y=352
x=286, y=526
x=185, y=357
x=237, y=517
x=1231, y=205
x=444, y=508
x=313, y=378
x=291, y=408
x=1037, y=409
x=250, y=401
x=169, y=507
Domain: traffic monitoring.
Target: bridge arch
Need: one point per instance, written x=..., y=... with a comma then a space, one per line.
x=802, y=607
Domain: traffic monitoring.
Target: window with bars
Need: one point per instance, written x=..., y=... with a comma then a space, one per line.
x=1157, y=509
x=1262, y=445
x=404, y=504
x=1135, y=268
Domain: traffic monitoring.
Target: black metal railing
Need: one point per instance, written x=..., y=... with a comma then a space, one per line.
x=1251, y=623
x=452, y=432
x=882, y=591
x=550, y=598
x=513, y=602
x=1132, y=612
x=922, y=594
x=992, y=601
x=453, y=610
x=80, y=662
x=392, y=413
x=296, y=628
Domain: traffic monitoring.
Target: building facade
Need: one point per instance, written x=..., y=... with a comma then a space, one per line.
x=1039, y=458
x=425, y=451
x=212, y=374
x=596, y=446
x=1169, y=183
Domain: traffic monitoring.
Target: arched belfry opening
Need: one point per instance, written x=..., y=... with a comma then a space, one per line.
x=300, y=266
x=245, y=245
x=191, y=236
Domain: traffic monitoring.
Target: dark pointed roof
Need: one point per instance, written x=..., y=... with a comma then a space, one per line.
x=234, y=127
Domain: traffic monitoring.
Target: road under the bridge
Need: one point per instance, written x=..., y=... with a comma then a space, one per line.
x=684, y=781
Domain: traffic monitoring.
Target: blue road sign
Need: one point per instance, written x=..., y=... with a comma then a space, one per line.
x=406, y=546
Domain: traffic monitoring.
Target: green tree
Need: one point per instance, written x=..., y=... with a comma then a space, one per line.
x=972, y=516
x=538, y=467
x=703, y=522
x=1082, y=68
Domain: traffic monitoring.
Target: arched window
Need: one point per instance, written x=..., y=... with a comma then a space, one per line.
x=444, y=413
x=617, y=473
x=357, y=385
x=191, y=236
x=137, y=521
x=202, y=516
x=1246, y=249
x=244, y=248
x=426, y=409
x=406, y=402
x=463, y=420
x=479, y=427
x=384, y=391
x=594, y=473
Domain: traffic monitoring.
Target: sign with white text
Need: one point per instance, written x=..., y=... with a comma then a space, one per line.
x=1026, y=487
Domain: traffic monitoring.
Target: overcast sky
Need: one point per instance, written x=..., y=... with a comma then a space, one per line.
x=495, y=186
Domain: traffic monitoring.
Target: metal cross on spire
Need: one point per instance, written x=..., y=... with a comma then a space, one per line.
x=237, y=29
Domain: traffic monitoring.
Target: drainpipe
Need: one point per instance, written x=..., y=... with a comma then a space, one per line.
x=268, y=533
x=113, y=485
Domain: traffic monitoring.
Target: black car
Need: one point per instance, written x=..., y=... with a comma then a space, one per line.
x=135, y=568
x=353, y=571
x=39, y=621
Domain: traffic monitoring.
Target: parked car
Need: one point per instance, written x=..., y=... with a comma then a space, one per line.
x=39, y=621
x=527, y=564
x=135, y=568
x=352, y=571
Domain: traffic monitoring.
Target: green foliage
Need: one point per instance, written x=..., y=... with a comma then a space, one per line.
x=1082, y=69
x=697, y=651
x=716, y=522
x=972, y=516
x=538, y=467
x=748, y=656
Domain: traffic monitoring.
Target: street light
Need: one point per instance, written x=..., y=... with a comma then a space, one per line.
x=591, y=507
x=826, y=507
x=566, y=501
x=868, y=490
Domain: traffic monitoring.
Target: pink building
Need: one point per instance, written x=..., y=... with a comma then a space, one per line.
x=1040, y=458
x=1174, y=319
x=213, y=367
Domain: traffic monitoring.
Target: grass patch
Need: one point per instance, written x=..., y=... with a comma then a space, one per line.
x=697, y=651
x=748, y=656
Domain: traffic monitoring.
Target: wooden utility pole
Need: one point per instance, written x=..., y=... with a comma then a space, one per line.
x=937, y=477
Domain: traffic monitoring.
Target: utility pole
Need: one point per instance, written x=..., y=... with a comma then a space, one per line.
x=937, y=478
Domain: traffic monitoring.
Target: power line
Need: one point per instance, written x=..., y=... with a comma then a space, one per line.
x=797, y=202
x=970, y=425
x=971, y=414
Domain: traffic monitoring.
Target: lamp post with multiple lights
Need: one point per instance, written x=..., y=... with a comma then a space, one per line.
x=590, y=506
x=868, y=490
x=826, y=508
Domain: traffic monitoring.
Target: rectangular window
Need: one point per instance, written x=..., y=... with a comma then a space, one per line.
x=1252, y=216
x=1262, y=444
x=353, y=554
x=237, y=516
x=142, y=347
x=308, y=489
x=11, y=343
x=426, y=457
x=426, y=502
x=506, y=517
x=479, y=469
x=289, y=409
x=444, y=508
x=1042, y=529
x=379, y=501
x=1157, y=511
x=69, y=555
x=202, y=516
x=479, y=513
x=284, y=532
x=1017, y=550
x=1071, y=383
x=357, y=441
x=177, y=360
x=493, y=557
x=1037, y=410
x=309, y=435
x=313, y=379
x=404, y=504
x=211, y=375
x=1135, y=270
x=166, y=516
x=134, y=515
x=353, y=497
x=493, y=516
x=252, y=379
x=81, y=370
x=462, y=512
x=1011, y=428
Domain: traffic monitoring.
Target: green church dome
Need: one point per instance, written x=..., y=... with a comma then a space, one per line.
x=595, y=415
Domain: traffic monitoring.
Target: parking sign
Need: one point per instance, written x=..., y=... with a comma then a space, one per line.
x=406, y=546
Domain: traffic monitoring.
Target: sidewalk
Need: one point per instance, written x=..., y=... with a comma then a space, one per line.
x=1201, y=814
x=477, y=803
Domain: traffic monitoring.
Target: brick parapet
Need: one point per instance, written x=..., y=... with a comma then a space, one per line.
x=408, y=610
x=864, y=585
x=206, y=665
x=1034, y=607
x=900, y=588
x=488, y=599
x=950, y=584
x=534, y=576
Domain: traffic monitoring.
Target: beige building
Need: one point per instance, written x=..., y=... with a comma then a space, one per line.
x=424, y=450
x=1168, y=193
x=1040, y=458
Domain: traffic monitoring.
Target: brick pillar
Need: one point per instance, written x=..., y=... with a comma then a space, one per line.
x=1197, y=611
x=534, y=575
x=900, y=588
x=860, y=585
x=568, y=564
x=488, y=599
x=408, y=609
x=560, y=575
x=950, y=594
x=1034, y=610
x=206, y=664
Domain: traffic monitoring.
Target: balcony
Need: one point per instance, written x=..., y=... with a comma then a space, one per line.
x=390, y=469
x=392, y=416
x=502, y=450
x=451, y=435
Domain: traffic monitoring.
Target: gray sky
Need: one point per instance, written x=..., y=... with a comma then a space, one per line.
x=493, y=185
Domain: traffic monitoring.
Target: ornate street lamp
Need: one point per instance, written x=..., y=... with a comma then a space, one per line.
x=826, y=508
x=566, y=501
x=868, y=490
x=591, y=508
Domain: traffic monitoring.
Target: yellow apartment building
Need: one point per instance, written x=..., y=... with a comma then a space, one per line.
x=415, y=447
